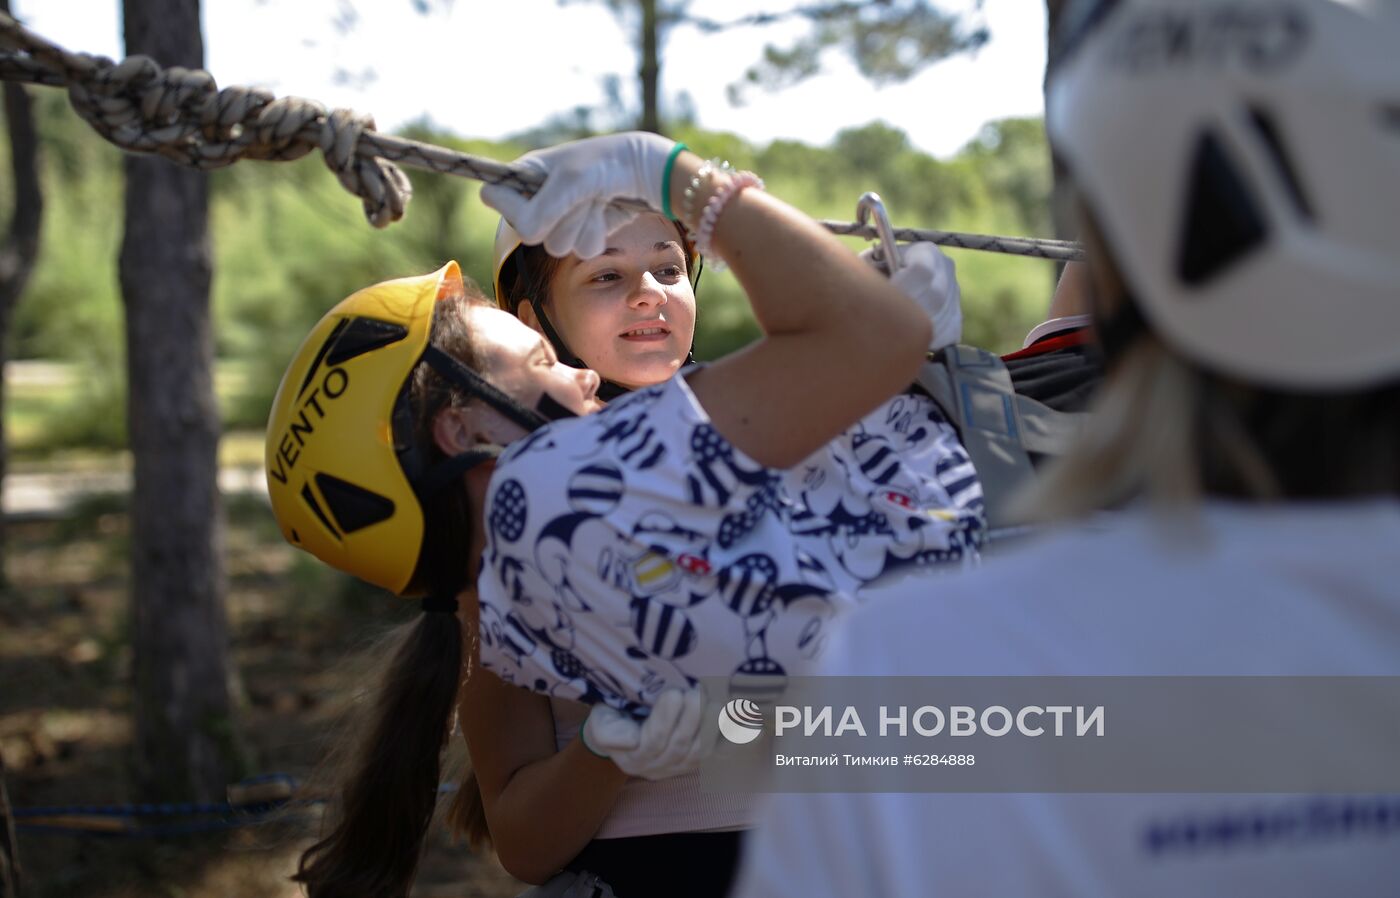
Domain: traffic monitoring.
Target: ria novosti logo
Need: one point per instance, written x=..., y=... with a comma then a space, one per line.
x=741, y=721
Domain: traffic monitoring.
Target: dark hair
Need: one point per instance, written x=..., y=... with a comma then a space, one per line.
x=447, y=519
x=527, y=274
x=388, y=785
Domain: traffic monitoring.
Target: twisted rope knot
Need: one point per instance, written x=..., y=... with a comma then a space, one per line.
x=381, y=186
x=182, y=115
x=267, y=127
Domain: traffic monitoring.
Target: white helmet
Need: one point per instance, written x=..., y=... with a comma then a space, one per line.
x=507, y=242
x=1241, y=159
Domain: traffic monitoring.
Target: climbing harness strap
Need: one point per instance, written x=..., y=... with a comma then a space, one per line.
x=1000, y=428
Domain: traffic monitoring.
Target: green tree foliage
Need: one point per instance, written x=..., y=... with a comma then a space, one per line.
x=290, y=243
x=1009, y=157
x=888, y=40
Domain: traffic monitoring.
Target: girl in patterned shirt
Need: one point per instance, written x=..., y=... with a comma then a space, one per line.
x=629, y=314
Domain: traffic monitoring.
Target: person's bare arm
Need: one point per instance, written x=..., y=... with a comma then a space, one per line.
x=1071, y=293
x=839, y=339
x=542, y=806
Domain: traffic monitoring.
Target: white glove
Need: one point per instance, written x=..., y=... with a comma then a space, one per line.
x=571, y=212
x=928, y=277
x=668, y=743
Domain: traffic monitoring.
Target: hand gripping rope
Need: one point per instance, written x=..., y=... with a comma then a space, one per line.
x=182, y=115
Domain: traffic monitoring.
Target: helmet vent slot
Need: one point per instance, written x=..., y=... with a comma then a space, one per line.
x=364, y=335
x=310, y=499
x=1267, y=129
x=321, y=354
x=1223, y=222
x=353, y=507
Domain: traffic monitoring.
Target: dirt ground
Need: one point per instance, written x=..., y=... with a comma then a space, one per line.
x=65, y=698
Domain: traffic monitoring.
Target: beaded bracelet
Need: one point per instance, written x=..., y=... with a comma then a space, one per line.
x=707, y=170
x=705, y=232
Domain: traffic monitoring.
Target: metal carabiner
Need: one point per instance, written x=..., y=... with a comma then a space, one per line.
x=888, y=252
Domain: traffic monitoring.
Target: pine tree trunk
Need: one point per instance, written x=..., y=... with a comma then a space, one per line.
x=9, y=850
x=1065, y=227
x=650, y=71
x=20, y=248
x=185, y=745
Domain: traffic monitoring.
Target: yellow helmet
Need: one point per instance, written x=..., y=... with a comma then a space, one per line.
x=344, y=472
x=338, y=488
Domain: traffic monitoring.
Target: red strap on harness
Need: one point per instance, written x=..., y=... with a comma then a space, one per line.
x=1077, y=337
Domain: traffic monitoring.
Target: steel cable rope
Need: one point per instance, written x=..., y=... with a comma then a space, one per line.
x=182, y=115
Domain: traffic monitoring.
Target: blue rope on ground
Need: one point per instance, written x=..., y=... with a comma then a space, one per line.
x=117, y=821
x=126, y=810
x=151, y=832
x=121, y=820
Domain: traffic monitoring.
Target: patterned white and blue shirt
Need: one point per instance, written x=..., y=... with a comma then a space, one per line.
x=637, y=549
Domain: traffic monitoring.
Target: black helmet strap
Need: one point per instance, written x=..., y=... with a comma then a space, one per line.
x=439, y=603
x=552, y=409
x=481, y=388
x=608, y=390
x=566, y=355
x=451, y=470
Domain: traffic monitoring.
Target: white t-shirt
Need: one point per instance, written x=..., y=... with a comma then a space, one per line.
x=636, y=549
x=1300, y=590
